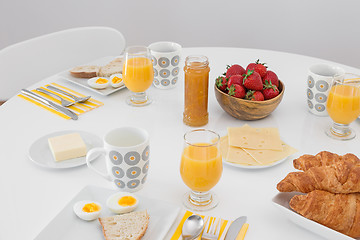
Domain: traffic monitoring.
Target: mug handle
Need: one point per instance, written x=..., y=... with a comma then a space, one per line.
x=93, y=151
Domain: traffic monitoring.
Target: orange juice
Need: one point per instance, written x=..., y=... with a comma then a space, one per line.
x=138, y=74
x=201, y=166
x=343, y=104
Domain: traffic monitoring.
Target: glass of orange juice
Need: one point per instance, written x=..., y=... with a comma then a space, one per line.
x=138, y=74
x=343, y=106
x=201, y=168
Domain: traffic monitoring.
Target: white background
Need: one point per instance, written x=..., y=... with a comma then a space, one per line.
x=327, y=29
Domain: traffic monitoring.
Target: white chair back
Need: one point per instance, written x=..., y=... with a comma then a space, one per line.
x=26, y=63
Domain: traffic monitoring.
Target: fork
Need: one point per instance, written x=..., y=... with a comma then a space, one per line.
x=212, y=229
x=64, y=102
x=77, y=99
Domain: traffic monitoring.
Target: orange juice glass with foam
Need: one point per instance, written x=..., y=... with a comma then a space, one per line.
x=201, y=168
x=343, y=106
x=138, y=74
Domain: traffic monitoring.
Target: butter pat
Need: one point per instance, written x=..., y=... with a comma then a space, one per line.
x=67, y=146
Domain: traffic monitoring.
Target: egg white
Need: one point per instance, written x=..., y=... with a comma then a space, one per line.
x=112, y=203
x=116, y=85
x=85, y=215
x=92, y=83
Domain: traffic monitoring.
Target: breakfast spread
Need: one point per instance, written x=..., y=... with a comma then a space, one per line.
x=128, y=226
x=68, y=146
x=333, y=190
x=254, y=146
x=254, y=83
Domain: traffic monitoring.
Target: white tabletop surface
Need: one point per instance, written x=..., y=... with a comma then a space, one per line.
x=31, y=196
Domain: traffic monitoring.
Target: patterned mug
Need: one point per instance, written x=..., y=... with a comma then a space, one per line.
x=127, y=154
x=320, y=78
x=166, y=59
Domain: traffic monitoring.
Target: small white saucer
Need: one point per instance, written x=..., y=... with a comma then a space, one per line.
x=40, y=152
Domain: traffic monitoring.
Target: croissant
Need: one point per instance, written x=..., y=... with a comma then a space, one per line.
x=323, y=158
x=340, y=212
x=342, y=177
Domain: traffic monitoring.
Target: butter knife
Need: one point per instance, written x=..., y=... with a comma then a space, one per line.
x=57, y=107
x=234, y=228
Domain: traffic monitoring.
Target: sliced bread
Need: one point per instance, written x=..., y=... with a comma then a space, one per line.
x=129, y=226
x=113, y=67
x=85, y=71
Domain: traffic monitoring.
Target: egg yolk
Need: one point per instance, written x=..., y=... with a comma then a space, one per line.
x=101, y=80
x=127, y=201
x=91, y=207
x=116, y=80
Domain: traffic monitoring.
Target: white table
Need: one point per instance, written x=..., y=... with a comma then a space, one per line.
x=31, y=196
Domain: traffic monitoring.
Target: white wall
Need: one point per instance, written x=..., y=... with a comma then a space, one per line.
x=326, y=29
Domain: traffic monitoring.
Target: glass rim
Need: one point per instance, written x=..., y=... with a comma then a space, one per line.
x=141, y=50
x=202, y=130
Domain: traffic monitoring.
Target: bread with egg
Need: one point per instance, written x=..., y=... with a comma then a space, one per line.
x=85, y=71
x=129, y=226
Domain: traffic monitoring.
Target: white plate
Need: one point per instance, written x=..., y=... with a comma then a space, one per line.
x=83, y=81
x=281, y=201
x=67, y=226
x=40, y=152
x=255, y=167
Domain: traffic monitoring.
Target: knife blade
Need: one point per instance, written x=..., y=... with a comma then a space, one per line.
x=234, y=228
x=57, y=107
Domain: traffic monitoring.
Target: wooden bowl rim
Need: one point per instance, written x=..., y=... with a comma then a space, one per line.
x=256, y=102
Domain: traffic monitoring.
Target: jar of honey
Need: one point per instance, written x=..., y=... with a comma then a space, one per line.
x=196, y=90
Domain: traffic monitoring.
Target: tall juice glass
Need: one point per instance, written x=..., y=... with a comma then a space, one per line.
x=343, y=106
x=201, y=168
x=138, y=74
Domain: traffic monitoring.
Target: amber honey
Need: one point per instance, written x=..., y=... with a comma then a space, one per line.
x=196, y=91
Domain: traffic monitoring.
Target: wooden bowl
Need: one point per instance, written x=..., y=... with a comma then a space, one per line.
x=248, y=110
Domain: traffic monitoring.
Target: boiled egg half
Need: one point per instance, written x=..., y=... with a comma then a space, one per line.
x=116, y=80
x=98, y=82
x=87, y=210
x=122, y=202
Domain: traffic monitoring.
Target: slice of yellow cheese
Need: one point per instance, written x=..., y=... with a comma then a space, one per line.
x=267, y=157
x=235, y=154
x=255, y=138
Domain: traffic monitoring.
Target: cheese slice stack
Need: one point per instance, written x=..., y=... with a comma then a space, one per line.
x=254, y=146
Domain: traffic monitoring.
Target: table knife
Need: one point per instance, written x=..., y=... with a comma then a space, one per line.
x=57, y=107
x=234, y=228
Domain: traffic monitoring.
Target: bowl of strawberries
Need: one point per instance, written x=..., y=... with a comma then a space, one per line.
x=249, y=94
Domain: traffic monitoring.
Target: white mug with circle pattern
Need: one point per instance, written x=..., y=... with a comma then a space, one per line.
x=127, y=154
x=165, y=58
x=320, y=78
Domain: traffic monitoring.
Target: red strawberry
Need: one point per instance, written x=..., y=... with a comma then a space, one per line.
x=270, y=91
x=221, y=83
x=234, y=70
x=235, y=79
x=254, y=96
x=258, y=67
x=237, y=90
x=272, y=78
x=252, y=81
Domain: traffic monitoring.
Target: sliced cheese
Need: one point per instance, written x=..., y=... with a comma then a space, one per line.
x=67, y=146
x=255, y=138
x=266, y=157
x=235, y=154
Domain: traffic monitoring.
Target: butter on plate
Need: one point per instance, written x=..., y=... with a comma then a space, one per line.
x=67, y=146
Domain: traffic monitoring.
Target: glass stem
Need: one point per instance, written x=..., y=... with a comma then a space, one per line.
x=200, y=198
x=139, y=97
x=340, y=130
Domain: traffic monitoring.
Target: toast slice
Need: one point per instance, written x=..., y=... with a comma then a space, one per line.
x=85, y=71
x=113, y=67
x=129, y=226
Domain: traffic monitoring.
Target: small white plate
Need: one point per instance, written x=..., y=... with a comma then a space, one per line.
x=281, y=201
x=40, y=152
x=255, y=167
x=83, y=81
x=67, y=226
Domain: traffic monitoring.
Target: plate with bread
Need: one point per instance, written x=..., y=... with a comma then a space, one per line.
x=102, y=76
x=151, y=218
x=324, y=195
